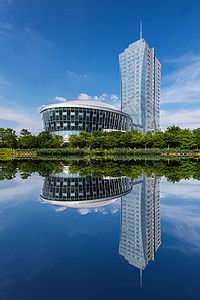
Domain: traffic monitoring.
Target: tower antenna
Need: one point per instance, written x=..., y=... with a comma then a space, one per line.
x=140, y=29
x=140, y=278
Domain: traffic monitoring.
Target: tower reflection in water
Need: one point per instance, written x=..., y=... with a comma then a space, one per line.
x=140, y=235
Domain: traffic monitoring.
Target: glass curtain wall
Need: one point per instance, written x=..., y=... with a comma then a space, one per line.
x=70, y=120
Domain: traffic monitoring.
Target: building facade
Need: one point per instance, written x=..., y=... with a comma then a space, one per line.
x=140, y=73
x=72, y=117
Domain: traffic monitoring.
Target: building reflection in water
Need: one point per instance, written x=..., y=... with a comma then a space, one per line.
x=73, y=190
x=140, y=234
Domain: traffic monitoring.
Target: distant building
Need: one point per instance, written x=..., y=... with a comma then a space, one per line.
x=140, y=235
x=72, y=117
x=140, y=73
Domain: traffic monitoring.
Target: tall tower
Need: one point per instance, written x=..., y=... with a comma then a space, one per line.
x=140, y=73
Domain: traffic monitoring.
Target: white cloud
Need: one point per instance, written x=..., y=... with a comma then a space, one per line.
x=4, y=82
x=60, y=209
x=21, y=189
x=6, y=26
x=184, y=223
x=76, y=76
x=61, y=99
x=183, y=84
x=112, y=208
x=182, y=216
x=181, y=189
x=183, y=118
x=24, y=117
x=84, y=211
x=114, y=98
x=83, y=96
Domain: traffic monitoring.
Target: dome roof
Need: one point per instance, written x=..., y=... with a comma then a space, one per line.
x=81, y=103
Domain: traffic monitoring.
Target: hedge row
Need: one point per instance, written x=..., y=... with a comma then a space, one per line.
x=137, y=152
x=60, y=152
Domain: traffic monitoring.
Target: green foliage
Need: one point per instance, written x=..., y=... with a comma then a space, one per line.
x=27, y=142
x=25, y=132
x=173, y=170
x=196, y=133
x=10, y=138
x=174, y=137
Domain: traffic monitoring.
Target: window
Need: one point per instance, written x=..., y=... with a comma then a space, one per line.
x=72, y=113
x=64, y=113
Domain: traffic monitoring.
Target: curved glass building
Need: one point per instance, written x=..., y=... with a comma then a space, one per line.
x=72, y=117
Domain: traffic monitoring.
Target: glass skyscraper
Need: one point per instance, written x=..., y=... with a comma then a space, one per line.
x=140, y=73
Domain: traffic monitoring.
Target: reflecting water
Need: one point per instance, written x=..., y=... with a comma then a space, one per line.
x=76, y=233
x=140, y=234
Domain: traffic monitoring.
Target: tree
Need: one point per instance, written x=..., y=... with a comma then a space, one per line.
x=57, y=141
x=147, y=139
x=44, y=139
x=196, y=133
x=110, y=141
x=171, y=136
x=25, y=132
x=76, y=141
x=186, y=139
x=28, y=141
x=173, y=129
x=136, y=139
x=170, y=139
x=158, y=140
x=2, y=134
x=10, y=138
x=126, y=139
x=87, y=139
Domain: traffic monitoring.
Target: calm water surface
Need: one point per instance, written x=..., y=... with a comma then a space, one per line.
x=65, y=236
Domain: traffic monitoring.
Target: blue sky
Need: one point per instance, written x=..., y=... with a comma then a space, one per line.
x=51, y=50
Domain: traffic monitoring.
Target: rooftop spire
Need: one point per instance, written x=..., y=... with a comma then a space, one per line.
x=140, y=29
x=140, y=278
